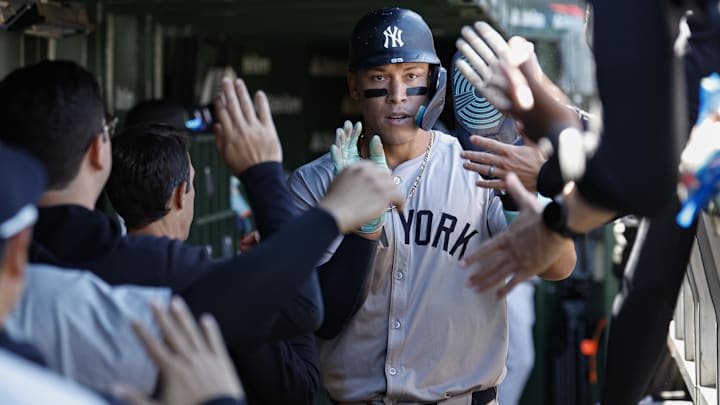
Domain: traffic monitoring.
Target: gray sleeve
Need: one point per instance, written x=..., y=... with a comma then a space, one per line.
x=308, y=185
x=82, y=326
x=303, y=197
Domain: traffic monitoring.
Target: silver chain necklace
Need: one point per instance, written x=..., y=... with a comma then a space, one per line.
x=420, y=173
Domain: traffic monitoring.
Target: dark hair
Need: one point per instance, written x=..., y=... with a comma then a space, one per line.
x=149, y=161
x=52, y=109
x=157, y=111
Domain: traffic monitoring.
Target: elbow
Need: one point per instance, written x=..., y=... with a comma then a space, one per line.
x=315, y=318
x=564, y=265
x=310, y=309
x=312, y=318
x=328, y=330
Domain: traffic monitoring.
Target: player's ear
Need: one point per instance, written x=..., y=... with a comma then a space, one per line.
x=178, y=195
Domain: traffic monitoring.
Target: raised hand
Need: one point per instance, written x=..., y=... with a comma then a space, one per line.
x=245, y=135
x=523, y=160
x=345, y=150
x=345, y=153
x=193, y=362
x=509, y=76
x=360, y=193
x=525, y=249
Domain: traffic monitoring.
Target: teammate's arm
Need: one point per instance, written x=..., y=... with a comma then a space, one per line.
x=345, y=270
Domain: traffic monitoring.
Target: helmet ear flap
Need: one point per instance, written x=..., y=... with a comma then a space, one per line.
x=428, y=114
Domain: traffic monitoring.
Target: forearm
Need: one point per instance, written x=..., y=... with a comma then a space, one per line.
x=547, y=116
x=269, y=196
x=246, y=293
x=634, y=169
x=343, y=279
x=583, y=217
x=564, y=265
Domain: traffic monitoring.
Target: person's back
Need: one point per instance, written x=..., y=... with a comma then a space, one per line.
x=81, y=325
x=54, y=110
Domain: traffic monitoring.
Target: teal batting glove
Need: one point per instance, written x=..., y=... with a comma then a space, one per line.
x=345, y=150
x=345, y=153
x=377, y=155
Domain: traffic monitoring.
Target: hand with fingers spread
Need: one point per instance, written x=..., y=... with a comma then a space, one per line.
x=193, y=361
x=245, y=134
x=509, y=76
x=345, y=153
x=345, y=150
x=525, y=249
x=360, y=193
x=523, y=160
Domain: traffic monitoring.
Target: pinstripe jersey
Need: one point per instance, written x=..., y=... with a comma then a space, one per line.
x=421, y=334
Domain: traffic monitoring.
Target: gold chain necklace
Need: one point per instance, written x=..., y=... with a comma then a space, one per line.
x=420, y=173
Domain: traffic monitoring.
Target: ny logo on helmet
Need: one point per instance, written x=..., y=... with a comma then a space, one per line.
x=393, y=34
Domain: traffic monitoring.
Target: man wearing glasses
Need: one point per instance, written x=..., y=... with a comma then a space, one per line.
x=53, y=110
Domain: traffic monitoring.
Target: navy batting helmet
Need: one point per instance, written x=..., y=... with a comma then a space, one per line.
x=396, y=35
x=391, y=35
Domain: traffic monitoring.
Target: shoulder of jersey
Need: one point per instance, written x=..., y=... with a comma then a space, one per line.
x=320, y=167
x=443, y=142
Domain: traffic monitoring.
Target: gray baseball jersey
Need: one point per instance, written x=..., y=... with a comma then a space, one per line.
x=81, y=325
x=421, y=334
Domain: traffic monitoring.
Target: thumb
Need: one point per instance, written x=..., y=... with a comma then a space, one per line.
x=337, y=160
x=523, y=198
x=377, y=153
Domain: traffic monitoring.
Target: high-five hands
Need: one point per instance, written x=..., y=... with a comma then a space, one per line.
x=525, y=249
x=345, y=153
x=509, y=76
x=523, y=160
x=193, y=361
x=245, y=134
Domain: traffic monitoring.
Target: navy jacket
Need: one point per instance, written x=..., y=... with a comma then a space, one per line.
x=266, y=294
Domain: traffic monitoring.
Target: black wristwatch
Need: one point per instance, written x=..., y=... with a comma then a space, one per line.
x=555, y=217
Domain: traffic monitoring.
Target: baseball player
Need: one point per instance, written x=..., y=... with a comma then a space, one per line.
x=420, y=334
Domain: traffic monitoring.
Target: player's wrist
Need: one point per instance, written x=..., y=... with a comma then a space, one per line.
x=555, y=218
x=369, y=235
x=373, y=226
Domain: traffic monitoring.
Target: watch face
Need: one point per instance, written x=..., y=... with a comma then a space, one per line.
x=553, y=216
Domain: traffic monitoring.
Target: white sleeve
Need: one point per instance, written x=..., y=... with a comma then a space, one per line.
x=24, y=383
